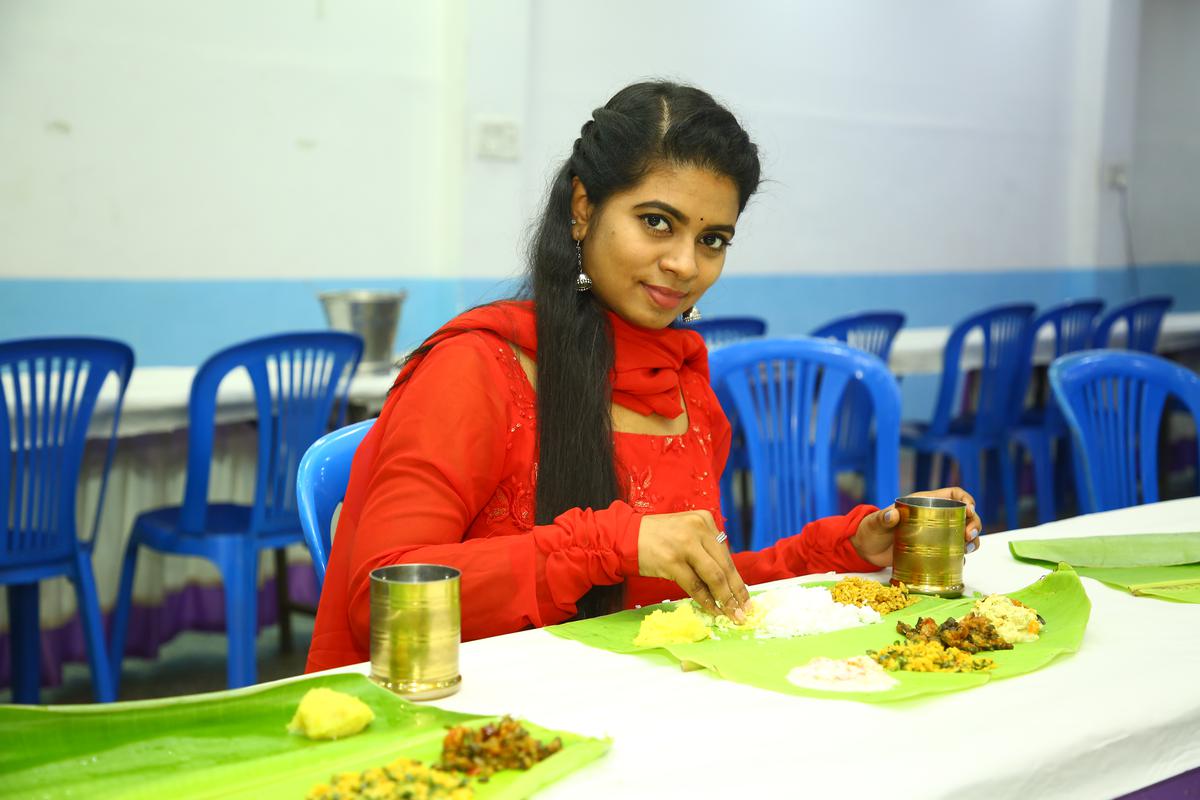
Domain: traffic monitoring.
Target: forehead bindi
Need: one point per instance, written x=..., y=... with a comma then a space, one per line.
x=701, y=195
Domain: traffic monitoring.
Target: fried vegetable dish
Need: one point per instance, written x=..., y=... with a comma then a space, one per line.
x=928, y=657
x=854, y=591
x=403, y=779
x=971, y=634
x=479, y=752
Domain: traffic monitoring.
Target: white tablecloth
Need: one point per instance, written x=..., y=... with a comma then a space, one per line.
x=1122, y=713
x=918, y=351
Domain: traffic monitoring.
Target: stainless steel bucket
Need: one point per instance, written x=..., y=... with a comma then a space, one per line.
x=373, y=315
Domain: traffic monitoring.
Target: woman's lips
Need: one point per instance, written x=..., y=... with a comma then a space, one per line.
x=664, y=297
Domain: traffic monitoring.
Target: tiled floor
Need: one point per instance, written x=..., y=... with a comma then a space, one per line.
x=192, y=662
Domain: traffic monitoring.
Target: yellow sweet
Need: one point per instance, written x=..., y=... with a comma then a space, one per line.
x=672, y=627
x=326, y=714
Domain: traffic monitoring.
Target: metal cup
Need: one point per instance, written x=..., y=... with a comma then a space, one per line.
x=929, y=550
x=416, y=625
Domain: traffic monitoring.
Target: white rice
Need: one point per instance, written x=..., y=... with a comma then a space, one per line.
x=801, y=610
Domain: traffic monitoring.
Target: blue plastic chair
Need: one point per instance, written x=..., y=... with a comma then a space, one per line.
x=1113, y=403
x=1042, y=427
x=321, y=485
x=971, y=436
x=720, y=331
x=788, y=392
x=48, y=391
x=1143, y=321
x=298, y=378
x=872, y=332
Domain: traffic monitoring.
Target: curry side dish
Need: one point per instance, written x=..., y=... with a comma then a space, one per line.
x=479, y=752
x=403, y=779
x=468, y=755
x=928, y=657
x=852, y=590
x=971, y=634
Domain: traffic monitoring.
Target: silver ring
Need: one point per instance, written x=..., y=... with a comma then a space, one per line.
x=721, y=537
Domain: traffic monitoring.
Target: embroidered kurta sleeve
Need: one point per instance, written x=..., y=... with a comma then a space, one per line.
x=439, y=460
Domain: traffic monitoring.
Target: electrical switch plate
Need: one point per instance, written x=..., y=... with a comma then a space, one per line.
x=497, y=139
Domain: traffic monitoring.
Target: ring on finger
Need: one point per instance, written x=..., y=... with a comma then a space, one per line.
x=721, y=537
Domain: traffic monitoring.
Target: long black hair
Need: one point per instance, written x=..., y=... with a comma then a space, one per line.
x=643, y=126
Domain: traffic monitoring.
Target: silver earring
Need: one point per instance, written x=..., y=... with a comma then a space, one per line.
x=582, y=281
x=693, y=315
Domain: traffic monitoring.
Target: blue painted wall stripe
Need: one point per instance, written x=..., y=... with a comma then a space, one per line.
x=181, y=322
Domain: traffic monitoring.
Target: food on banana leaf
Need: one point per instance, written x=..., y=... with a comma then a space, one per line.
x=928, y=657
x=678, y=626
x=855, y=674
x=852, y=590
x=1013, y=620
x=326, y=714
x=479, y=752
x=971, y=634
x=403, y=779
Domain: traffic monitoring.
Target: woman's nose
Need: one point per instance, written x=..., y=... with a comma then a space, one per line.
x=681, y=261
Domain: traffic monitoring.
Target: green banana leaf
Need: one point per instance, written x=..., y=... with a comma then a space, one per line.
x=1162, y=565
x=1059, y=597
x=235, y=744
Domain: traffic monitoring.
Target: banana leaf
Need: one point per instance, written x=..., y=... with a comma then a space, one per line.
x=234, y=744
x=1162, y=565
x=1059, y=598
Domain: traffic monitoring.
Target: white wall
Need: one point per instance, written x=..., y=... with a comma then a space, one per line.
x=1165, y=182
x=897, y=137
x=227, y=139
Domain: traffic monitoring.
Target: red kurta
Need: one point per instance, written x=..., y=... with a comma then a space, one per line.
x=447, y=477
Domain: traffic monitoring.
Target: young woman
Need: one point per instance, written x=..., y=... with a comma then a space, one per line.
x=563, y=451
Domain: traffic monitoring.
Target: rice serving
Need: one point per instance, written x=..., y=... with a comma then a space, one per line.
x=856, y=674
x=798, y=611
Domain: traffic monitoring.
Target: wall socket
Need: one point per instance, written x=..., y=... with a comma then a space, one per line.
x=497, y=139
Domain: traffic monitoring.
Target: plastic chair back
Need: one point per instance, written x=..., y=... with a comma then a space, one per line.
x=872, y=332
x=321, y=484
x=297, y=379
x=1143, y=320
x=48, y=391
x=1113, y=402
x=787, y=393
x=1002, y=375
x=1072, y=323
x=720, y=331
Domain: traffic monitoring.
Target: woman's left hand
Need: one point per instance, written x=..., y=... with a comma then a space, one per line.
x=873, y=539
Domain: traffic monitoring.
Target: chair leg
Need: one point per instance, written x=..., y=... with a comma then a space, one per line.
x=104, y=688
x=238, y=562
x=968, y=470
x=25, y=634
x=283, y=600
x=1008, y=479
x=1043, y=478
x=923, y=471
x=121, y=612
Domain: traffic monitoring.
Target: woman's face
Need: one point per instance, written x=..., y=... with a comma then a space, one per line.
x=653, y=250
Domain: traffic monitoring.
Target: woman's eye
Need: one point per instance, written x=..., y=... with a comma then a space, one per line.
x=656, y=222
x=714, y=241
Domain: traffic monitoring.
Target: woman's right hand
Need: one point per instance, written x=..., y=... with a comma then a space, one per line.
x=683, y=547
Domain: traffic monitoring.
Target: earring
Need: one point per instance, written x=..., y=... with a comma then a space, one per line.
x=582, y=281
x=693, y=315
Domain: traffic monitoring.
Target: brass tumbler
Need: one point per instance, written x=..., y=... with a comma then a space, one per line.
x=416, y=626
x=929, y=550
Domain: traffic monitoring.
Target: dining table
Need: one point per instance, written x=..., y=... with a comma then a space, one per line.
x=1121, y=716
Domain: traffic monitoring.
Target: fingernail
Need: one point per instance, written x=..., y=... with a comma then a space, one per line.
x=738, y=616
x=890, y=516
x=972, y=546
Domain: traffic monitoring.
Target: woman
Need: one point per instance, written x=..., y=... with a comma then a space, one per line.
x=563, y=452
